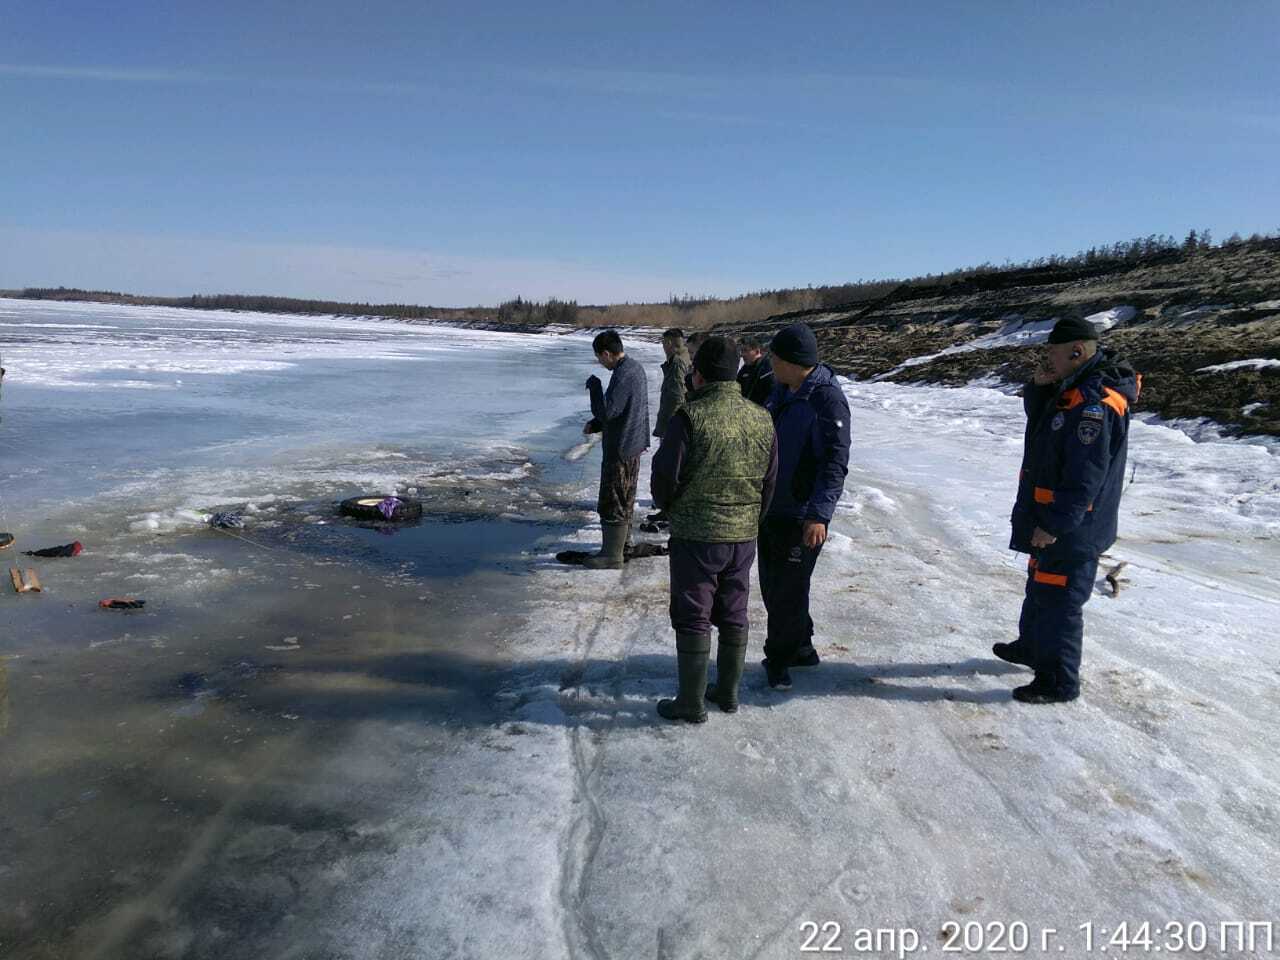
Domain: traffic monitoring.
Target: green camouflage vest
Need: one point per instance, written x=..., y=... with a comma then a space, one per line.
x=726, y=460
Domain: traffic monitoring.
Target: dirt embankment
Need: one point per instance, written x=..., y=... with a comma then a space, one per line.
x=1188, y=312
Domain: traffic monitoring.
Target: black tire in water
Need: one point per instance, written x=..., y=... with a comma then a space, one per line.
x=366, y=508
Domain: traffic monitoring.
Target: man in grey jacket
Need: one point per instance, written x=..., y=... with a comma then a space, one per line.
x=621, y=413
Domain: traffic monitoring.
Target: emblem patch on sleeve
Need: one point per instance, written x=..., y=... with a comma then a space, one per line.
x=1088, y=431
x=1058, y=420
x=1094, y=412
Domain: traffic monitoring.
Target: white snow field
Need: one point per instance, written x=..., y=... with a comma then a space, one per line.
x=896, y=787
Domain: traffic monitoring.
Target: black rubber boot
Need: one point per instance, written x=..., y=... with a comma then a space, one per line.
x=731, y=656
x=1036, y=692
x=610, y=556
x=779, y=677
x=692, y=652
x=806, y=656
x=1011, y=653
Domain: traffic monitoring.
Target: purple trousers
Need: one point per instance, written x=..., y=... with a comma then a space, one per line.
x=710, y=583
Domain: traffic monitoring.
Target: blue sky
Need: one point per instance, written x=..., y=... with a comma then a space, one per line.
x=463, y=153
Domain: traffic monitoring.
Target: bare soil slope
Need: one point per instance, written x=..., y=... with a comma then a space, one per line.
x=1192, y=311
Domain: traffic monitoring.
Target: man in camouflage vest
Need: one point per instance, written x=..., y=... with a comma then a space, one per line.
x=714, y=475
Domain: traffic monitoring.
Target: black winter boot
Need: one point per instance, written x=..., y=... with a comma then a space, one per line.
x=1036, y=692
x=806, y=656
x=692, y=652
x=779, y=677
x=1012, y=653
x=731, y=656
x=610, y=556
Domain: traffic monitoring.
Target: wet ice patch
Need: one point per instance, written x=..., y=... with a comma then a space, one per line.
x=168, y=521
x=305, y=408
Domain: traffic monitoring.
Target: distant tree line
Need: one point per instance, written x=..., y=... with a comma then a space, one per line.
x=529, y=313
x=699, y=313
x=703, y=312
x=255, y=303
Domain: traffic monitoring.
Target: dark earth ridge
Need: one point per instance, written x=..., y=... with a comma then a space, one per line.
x=1191, y=311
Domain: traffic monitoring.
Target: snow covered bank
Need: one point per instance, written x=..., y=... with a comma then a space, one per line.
x=896, y=785
x=1017, y=332
x=383, y=787
x=1259, y=363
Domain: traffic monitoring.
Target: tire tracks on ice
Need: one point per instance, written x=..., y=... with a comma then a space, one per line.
x=586, y=832
x=107, y=935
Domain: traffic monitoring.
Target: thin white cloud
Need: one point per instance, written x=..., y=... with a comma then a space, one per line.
x=114, y=74
x=685, y=85
x=130, y=75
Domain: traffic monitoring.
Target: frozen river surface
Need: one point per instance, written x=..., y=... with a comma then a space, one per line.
x=328, y=743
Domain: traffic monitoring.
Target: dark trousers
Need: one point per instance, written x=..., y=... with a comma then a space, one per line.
x=618, y=481
x=710, y=584
x=1051, y=628
x=786, y=567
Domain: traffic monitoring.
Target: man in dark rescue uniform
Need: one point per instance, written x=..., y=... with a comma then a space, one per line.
x=1065, y=516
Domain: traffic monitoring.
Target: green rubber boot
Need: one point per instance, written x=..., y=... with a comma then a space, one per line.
x=610, y=556
x=692, y=652
x=731, y=656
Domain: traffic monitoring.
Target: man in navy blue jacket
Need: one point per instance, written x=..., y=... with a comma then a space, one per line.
x=1068, y=501
x=811, y=418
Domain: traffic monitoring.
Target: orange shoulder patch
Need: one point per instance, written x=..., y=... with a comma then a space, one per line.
x=1115, y=400
x=1070, y=399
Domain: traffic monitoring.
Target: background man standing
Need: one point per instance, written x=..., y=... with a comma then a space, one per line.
x=1068, y=501
x=622, y=413
x=811, y=417
x=674, y=371
x=714, y=474
x=756, y=376
x=694, y=341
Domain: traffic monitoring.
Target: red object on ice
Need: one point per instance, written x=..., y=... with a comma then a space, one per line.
x=66, y=550
x=121, y=603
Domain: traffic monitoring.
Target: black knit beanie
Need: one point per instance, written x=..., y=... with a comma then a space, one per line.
x=1071, y=329
x=717, y=359
x=796, y=344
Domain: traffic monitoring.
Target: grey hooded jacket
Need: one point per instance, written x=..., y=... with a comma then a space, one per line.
x=622, y=411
